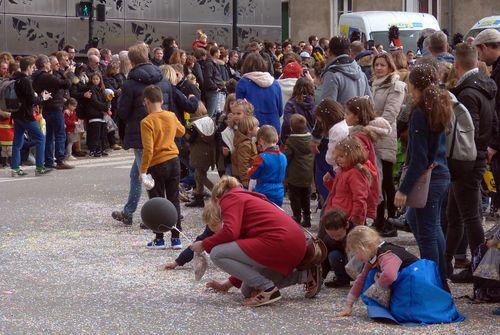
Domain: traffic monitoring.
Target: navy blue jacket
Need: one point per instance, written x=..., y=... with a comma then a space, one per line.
x=131, y=109
x=424, y=148
x=187, y=254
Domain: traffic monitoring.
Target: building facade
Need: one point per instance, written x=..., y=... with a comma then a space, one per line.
x=321, y=17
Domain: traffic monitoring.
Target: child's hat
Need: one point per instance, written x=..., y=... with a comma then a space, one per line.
x=292, y=70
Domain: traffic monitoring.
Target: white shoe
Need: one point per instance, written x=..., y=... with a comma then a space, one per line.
x=71, y=158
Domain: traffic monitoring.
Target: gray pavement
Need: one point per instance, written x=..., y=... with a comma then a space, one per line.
x=67, y=268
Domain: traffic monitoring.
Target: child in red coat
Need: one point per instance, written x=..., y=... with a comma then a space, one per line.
x=70, y=121
x=350, y=189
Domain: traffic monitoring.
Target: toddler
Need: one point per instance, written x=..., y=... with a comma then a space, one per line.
x=299, y=172
x=269, y=168
x=70, y=122
x=245, y=150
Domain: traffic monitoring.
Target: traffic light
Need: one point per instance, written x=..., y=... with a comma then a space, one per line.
x=84, y=9
x=101, y=12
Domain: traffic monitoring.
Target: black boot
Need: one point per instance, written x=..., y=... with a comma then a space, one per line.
x=198, y=201
x=379, y=223
x=389, y=230
x=400, y=223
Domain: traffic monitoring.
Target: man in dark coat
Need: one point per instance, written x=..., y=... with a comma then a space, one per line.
x=477, y=93
x=53, y=113
x=130, y=112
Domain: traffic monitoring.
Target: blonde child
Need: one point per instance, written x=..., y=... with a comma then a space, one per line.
x=269, y=168
x=245, y=150
x=395, y=284
x=350, y=189
x=201, y=138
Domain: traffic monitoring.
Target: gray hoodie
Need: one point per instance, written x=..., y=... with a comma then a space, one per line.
x=344, y=79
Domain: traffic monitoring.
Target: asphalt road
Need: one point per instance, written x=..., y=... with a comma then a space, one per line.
x=67, y=268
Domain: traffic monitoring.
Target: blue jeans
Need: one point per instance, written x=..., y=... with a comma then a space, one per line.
x=35, y=135
x=134, y=193
x=211, y=99
x=425, y=224
x=338, y=260
x=55, y=142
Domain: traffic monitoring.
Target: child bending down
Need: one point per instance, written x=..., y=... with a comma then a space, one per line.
x=269, y=167
x=350, y=189
x=396, y=285
x=160, y=158
x=245, y=150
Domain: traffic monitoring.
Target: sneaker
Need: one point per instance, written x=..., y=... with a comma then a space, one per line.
x=64, y=166
x=116, y=147
x=95, y=154
x=18, y=173
x=338, y=283
x=176, y=243
x=71, y=158
x=120, y=216
x=263, y=298
x=40, y=171
x=314, y=282
x=156, y=244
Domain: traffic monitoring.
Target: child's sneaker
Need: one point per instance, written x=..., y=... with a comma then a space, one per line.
x=156, y=244
x=41, y=171
x=18, y=173
x=95, y=154
x=176, y=243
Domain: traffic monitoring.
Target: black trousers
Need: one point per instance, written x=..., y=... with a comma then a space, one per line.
x=389, y=192
x=167, y=176
x=464, y=210
x=96, y=134
x=300, y=201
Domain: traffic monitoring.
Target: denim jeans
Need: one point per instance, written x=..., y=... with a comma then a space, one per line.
x=211, y=97
x=425, y=224
x=464, y=210
x=36, y=137
x=55, y=141
x=338, y=260
x=134, y=192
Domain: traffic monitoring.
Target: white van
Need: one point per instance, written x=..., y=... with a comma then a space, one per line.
x=375, y=26
x=484, y=23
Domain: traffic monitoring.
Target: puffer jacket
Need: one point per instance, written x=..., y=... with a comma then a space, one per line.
x=299, y=171
x=343, y=79
x=131, y=108
x=201, y=142
x=388, y=96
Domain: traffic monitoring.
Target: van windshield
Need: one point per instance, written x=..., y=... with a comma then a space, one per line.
x=474, y=32
x=408, y=38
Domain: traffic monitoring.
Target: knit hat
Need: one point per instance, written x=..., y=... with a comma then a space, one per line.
x=292, y=70
x=487, y=36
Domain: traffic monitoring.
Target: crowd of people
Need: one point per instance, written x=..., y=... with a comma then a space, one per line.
x=382, y=140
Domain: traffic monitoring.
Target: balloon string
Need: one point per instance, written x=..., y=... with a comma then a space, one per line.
x=186, y=237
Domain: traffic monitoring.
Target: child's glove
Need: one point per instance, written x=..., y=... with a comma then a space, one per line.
x=148, y=181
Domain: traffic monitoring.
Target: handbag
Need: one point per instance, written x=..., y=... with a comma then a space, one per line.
x=417, y=198
x=316, y=252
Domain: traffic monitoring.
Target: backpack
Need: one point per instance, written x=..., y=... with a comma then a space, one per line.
x=8, y=97
x=461, y=149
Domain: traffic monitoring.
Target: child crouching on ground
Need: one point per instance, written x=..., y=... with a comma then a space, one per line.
x=200, y=136
x=299, y=172
x=160, y=158
x=269, y=168
x=333, y=232
x=245, y=150
x=396, y=285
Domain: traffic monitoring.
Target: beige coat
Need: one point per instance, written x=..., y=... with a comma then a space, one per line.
x=388, y=95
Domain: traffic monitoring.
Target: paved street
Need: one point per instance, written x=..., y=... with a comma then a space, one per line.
x=67, y=268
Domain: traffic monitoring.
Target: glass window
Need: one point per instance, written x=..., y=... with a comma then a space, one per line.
x=408, y=38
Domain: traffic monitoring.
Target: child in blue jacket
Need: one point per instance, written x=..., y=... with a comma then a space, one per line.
x=269, y=168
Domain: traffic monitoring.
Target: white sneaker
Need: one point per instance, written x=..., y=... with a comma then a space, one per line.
x=71, y=158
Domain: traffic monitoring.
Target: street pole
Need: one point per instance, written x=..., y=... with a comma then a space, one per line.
x=91, y=25
x=235, y=24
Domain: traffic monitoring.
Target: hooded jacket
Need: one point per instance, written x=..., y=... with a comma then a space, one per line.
x=243, y=156
x=364, y=60
x=300, y=167
x=26, y=97
x=56, y=86
x=131, y=109
x=201, y=142
x=304, y=108
x=287, y=86
x=212, y=76
x=477, y=93
x=264, y=93
x=388, y=96
x=344, y=79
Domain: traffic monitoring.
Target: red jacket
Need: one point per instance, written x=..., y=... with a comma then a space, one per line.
x=263, y=231
x=373, y=196
x=70, y=121
x=349, y=191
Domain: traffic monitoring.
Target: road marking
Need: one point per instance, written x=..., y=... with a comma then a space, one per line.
x=6, y=180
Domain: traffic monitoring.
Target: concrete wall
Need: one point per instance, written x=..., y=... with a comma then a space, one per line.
x=309, y=17
x=385, y=5
x=467, y=13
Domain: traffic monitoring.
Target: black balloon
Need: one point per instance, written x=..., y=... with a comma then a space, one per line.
x=159, y=215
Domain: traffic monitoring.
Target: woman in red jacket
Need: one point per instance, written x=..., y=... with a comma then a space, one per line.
x=257, y=243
